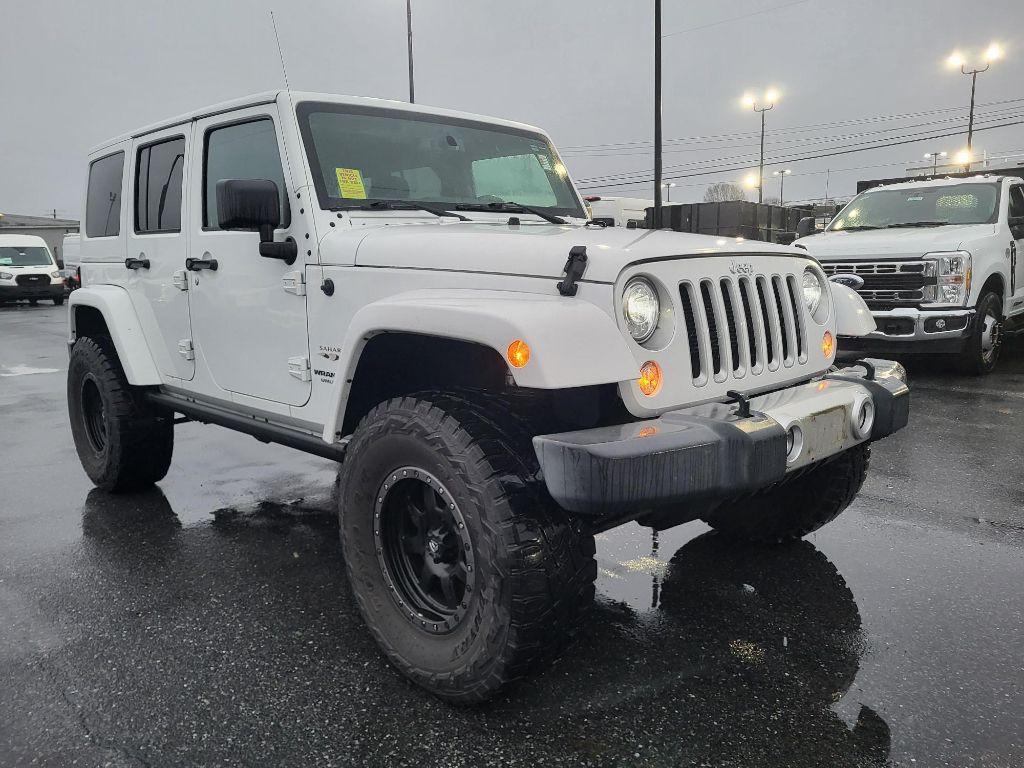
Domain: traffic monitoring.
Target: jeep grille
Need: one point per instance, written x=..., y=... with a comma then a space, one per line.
x=735, y=325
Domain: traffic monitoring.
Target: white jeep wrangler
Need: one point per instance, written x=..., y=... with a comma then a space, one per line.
x=416, y=293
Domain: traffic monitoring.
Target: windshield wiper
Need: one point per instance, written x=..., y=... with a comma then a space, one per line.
x=401, y=205
x=856, y=228
x=513, y=207
x=917, y=224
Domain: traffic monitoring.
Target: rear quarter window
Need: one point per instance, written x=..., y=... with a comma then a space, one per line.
x=103, y=198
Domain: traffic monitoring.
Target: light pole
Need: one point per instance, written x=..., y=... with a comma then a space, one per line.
x=782, y=182
x=408, y=25
x=957, y=59
x=934, y=157
x=657, y=114
x=668, y=190
x=766, y=104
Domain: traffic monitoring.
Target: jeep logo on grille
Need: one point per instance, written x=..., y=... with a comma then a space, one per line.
x=741, y=268
x=850, y=281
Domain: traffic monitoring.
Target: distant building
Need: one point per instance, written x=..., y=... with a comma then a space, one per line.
x=51, y=230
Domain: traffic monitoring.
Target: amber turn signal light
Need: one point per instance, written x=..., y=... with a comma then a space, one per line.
x=828, y=345
x=650, y=378
x=518, y=353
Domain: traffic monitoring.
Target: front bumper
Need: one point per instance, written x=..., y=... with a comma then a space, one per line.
x=15, y=292
x=909, y=325
x=709, y=452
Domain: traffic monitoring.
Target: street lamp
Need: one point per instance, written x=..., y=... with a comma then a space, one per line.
x=668, y=190
x=963, y=157
x=782, y=181
x=761, y=106
x=959, y=60
x=934, y=157
x=750, y=181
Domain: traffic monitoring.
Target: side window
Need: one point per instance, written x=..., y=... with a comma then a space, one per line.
x=158, y=173
x=103, y=199
x=241, y=151
x=1017, y=200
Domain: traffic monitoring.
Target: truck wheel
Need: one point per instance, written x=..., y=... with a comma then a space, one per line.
x=798, y=505
x=463, y=568
x=122, y=442
x=986, y=340
x=58, y=301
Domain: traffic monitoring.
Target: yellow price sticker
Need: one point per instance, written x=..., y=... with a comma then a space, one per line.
x=350, y=183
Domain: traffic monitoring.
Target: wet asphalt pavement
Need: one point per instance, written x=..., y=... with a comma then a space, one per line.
x=208, y=622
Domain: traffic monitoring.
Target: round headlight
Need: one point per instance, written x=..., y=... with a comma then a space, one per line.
x=640, y=309
x=812, y=290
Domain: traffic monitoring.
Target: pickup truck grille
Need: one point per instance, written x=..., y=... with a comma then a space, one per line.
x=886, y=283
x=740, y=324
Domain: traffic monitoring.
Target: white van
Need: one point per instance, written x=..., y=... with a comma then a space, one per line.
x=28, y=270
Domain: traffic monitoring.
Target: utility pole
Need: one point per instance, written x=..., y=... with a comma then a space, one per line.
x=782, y=183
x=657, y=114
x=408, y=23
x=749, y=100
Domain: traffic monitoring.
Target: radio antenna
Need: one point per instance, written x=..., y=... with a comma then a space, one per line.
x=288, y=89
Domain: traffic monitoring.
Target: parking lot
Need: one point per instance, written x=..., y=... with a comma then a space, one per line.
x=208, y=622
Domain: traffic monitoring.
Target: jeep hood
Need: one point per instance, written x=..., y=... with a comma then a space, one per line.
x=528, y=249
x=892, y=243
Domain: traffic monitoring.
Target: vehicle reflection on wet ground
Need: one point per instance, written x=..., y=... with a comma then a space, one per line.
x=208, y=621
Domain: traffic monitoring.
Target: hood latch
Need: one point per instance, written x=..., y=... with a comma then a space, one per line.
x=574, y=268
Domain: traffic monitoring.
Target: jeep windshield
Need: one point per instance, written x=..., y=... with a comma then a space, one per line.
x=30, y=256
x=925, y=206
x=366, y=155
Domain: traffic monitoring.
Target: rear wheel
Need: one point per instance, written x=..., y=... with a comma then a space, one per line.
x=986, y=340
x=465, y=571
x=58, y=301
x=796, y=506
x=122, y=442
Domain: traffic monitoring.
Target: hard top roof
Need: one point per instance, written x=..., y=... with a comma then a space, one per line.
x=268, y=97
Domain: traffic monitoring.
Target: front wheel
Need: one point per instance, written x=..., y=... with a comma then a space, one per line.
x=464, y=570
x=58, y=301
x=799, y=505
x=981, y=353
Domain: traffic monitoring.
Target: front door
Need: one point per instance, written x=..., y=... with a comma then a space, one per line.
x=154, y=269
x=248, y=315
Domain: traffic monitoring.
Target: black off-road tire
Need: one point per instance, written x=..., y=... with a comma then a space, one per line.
x=975, y=359
x=123, y=443
x=534, y=566
x=797, y=506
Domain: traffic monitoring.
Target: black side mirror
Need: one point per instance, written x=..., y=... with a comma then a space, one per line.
x=1016, y=227
x=805, y=226
x=254, y=205
x=60, y=263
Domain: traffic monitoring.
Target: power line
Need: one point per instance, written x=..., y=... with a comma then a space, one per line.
x=784, y=158
x=734, y=18
x=793, y=159
x=792, y=129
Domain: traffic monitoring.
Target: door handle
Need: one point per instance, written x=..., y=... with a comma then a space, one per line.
x=140, y=263
x=196, y=265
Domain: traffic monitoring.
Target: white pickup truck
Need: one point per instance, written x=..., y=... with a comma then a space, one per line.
x=939, y=263
x=417, y=294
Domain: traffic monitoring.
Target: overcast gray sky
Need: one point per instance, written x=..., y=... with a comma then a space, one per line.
x=73, y=73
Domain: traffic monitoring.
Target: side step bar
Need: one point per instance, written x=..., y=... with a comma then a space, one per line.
x=250, y=425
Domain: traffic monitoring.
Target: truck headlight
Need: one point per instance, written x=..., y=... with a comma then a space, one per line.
x=6, y=276
x=952, y=271
x=812, y=290
x=640, y=309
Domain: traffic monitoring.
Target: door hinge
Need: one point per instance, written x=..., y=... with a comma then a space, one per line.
x=294, y=282
x=180, y=280
x=186, y=350
x=299, y=368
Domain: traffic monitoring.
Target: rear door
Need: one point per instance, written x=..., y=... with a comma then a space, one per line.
x=248, y=315
x=1016, y=208
x=154, y=266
